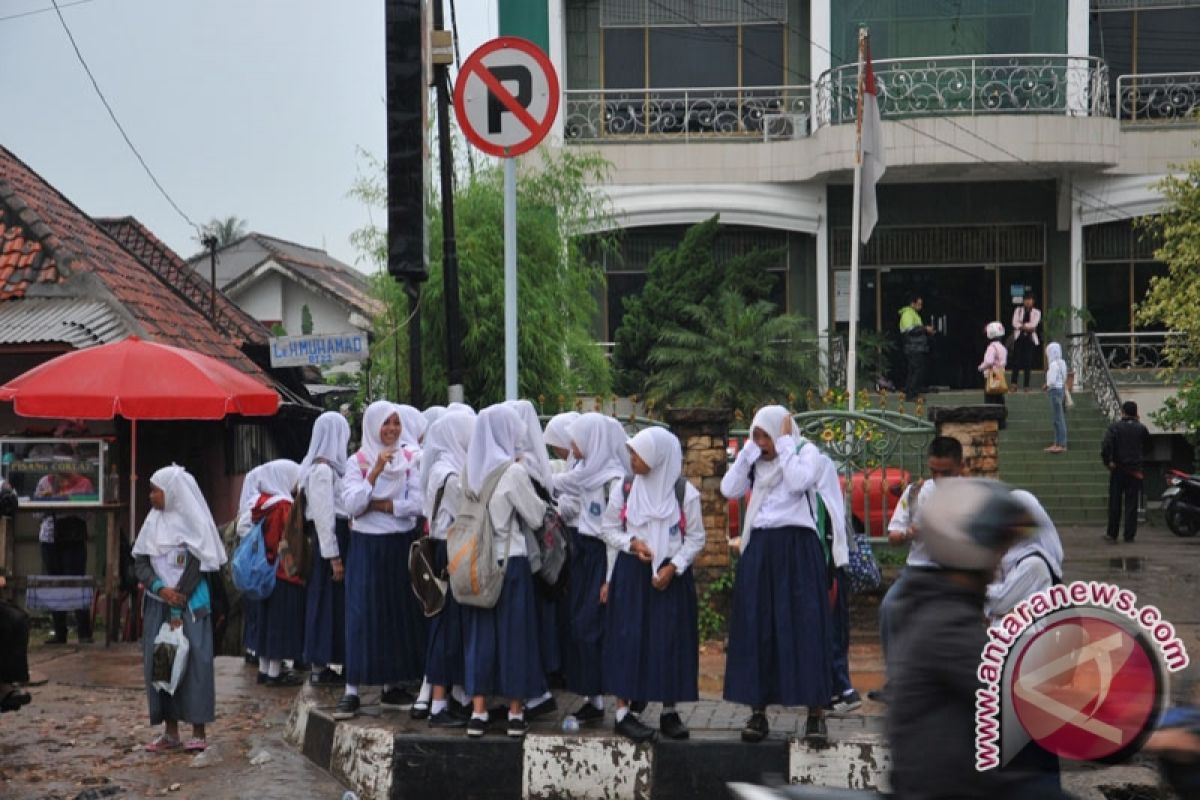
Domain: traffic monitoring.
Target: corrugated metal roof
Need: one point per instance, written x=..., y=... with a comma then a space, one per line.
x=80, y=323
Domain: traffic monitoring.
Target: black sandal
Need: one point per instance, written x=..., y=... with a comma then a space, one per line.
x=14, y=700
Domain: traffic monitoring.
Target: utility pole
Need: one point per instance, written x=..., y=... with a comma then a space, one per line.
x=210, y=242
x=443, y=54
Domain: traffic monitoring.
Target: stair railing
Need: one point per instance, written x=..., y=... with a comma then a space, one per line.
x=1091, y=372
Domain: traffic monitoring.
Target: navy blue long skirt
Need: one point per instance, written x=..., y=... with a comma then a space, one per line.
x=549, y=632
x=651, y=641
x=444, y=656
x=779, y=637
x=325, y=614
x=585, y=625
x=502, y=657
x=385, y=628
x=251, y=613
x=281, y=623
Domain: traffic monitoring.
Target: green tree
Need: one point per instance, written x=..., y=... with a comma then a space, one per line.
x=558, y=281
x=677, y=279
x=306, y=322
x=1173, y=298
x=732, y=355
x=226, y=230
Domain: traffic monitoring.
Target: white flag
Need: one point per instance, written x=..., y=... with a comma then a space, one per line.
x=871, y=146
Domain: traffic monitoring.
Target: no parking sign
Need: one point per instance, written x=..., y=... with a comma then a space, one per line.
x=506, y=97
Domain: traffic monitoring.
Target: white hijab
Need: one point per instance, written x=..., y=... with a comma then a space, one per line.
x=461, y=407
x=184, y=521
x=412, y=426
x=433, y=414
x=557, y=434
x=498, y=429
x=601, y=440
x=1054, y=352
x=445, y=454
x=767, y=474
x=532, y=446
x=276, y=479
x=651, y=508
x=330, y=439
x=376, y=414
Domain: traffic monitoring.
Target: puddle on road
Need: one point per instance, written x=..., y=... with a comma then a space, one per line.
x=1126, y=564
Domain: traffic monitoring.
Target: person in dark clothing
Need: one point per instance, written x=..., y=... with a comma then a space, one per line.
x=1025, y=322
x=14, y=654
x=1122, y=452
x=915, y=334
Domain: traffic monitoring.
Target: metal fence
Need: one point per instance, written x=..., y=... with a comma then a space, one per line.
x=1086, y=360
x=1159, y=97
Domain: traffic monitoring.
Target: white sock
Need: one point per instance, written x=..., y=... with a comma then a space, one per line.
x=460, y=694
x=597, y=701
x=438, y=707
x=274, y=667
x=537, y=701
x=387, y=687
x=512, y=716
x=263, y=665
x=479, y=715
x=426, y=692
x=352, y=689
x=622, y=712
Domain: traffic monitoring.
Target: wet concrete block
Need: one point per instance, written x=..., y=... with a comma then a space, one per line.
x=861, y=762
x=701, y=768
x=362, y=759
x=586, y=767
x=317, y=745
x=444, y=767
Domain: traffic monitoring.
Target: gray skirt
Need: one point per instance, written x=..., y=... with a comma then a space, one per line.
x=195, y=698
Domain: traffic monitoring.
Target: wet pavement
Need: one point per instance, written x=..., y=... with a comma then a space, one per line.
x=87, y=726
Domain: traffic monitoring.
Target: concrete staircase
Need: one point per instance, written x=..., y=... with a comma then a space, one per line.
x=1073, y=486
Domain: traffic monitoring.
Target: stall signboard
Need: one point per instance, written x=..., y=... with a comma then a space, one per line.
x=53, y=473
x=319, y=350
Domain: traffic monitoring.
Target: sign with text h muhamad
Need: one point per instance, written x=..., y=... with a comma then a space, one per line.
x=506, y=101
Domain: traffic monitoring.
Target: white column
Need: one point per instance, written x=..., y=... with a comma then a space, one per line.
x=1076, y=262
x=1078, y=42
x=819, y=60
x=558, y=57
x=824, y=329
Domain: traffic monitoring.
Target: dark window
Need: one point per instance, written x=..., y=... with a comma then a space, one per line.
x=762, y=55
x=1107, y=296
x=686, y=57
x=1142, y=275
x=625, y=58
x=621, y=285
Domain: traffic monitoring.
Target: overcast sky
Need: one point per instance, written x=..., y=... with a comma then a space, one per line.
x=246, y=107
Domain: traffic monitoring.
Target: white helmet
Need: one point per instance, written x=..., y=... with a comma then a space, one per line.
x=969, y=523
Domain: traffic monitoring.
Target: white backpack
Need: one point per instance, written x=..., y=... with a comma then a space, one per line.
x=476, y=575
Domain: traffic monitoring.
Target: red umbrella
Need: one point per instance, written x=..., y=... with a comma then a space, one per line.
x=138, y=380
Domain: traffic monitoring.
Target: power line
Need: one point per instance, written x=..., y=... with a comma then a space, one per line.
x=42, y=10
x=116, y=121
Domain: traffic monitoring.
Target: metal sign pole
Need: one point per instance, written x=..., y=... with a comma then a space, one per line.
x=510, y=279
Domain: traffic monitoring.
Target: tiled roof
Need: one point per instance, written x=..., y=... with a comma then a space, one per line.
x=80, y=252
x=190, y=284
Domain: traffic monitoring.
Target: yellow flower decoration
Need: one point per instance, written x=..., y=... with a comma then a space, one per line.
x=827, y=435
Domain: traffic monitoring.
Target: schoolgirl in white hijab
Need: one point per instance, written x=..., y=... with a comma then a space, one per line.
x=281, y=469
x=413, y=426
x=433, y=414
x=325, y=611
x=779, y=630
x=502, y=653
x=176, y=544
x=557, y=436
x=1056, y=388
x=651, y=638
x=461, y=407
x=532, y=446
x=1032, y=565
x=442, y=463
x=385, y=627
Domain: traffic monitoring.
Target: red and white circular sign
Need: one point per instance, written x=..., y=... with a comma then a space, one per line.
x=506, y=96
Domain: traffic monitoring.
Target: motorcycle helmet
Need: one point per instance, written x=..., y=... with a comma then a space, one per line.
x=969, y=523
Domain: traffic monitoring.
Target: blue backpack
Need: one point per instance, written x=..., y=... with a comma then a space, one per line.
x=253, y=575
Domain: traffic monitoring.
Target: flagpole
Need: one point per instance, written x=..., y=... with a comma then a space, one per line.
x=855, y=245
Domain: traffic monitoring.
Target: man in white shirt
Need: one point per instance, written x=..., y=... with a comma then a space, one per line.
x=944, y=460
x=1025, y=351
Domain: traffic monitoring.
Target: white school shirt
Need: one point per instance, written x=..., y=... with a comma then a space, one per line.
x=787, y=505
x=447, y=510
x=593, y=507
x=323, y=505
x=1056, y=374
x=685, y=545
x=918, y=554
x=405, y=494
x=1004, y=593
x=1035, y=316
x=514, y=497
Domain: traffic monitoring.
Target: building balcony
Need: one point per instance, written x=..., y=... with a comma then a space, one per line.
x=1163, y=98
x=970, y=85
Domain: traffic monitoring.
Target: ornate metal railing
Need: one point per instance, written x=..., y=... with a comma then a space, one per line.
x=984, y=84
x=1160, y=97
x=877, y=453
x=1129, y=5
x=1136, y=358
x=837, y=361
x=618, y=115
x=1086, y=360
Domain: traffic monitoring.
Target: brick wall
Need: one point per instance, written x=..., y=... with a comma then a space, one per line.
x=702, y=432
x=978, y=429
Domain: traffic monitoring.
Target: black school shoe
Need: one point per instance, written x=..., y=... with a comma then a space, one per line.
x=347, y=707
x=637, y=706
x=288, y=678
x=672, y=726
x=262, y=678
x=635, y=730
x=396, y=698
x=541, y=709
x=756, y=728
x=815, y=729
x=476, y=727
x=326, y=677
x=419, y=710
x=517, y=728
x=589, y=713
x=446, y=719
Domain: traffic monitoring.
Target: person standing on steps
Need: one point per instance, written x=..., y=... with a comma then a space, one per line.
x=1025, y=322
x=994, y=359
x=1124, y=444
x=1056, y=387
x=915, y=334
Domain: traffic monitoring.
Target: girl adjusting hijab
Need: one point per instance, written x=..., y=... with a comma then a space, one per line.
x=183, y=522
x=652, y=510
x=767, y=474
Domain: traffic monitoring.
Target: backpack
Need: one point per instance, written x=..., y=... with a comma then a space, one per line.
x=253, y=575
x=429, y=583
x=549, y=547
x=295, y=545
x=476, y=577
